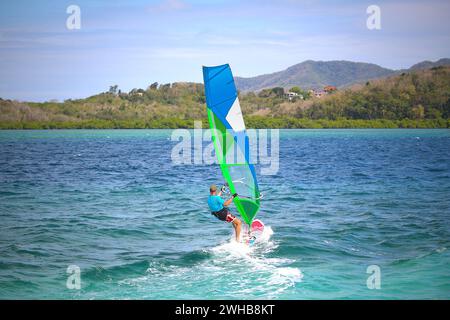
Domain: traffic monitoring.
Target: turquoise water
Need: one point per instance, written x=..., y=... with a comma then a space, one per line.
x=112, y=203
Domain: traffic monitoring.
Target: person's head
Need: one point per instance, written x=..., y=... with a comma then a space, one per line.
x=213, y=189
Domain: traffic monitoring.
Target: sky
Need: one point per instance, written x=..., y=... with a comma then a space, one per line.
x=133, y=43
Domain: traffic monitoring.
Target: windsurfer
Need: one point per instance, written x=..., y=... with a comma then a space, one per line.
x=219, y=209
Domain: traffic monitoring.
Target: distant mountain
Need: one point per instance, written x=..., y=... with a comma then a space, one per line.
x=430, y=64
x=317, y=74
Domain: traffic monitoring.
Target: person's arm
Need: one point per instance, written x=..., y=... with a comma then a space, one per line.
x=227, y=203
x=221, y=191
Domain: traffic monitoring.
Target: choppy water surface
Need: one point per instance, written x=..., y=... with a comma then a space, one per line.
x=112, y=203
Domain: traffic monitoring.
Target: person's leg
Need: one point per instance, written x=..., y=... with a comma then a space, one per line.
x=237, y=228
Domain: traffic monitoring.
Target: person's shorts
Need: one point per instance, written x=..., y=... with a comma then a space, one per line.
x=224, y=215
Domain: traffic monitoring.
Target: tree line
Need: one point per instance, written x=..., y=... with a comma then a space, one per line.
x=419, y=99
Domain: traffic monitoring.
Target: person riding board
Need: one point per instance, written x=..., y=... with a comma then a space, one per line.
x=219, y=209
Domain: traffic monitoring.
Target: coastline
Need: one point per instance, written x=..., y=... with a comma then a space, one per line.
x=252, y=122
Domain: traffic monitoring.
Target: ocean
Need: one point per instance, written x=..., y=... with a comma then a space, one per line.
x=112, y=205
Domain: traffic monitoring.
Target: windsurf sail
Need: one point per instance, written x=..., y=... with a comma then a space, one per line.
x=230, y=139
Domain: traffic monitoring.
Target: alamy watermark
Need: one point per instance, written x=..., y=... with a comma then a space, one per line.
x=257, y=146
x=73, y=21
x=74, y=279
x=374, y=280
x=373, y=22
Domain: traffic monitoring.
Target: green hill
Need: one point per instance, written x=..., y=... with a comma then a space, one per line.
x=430, y=64
x=317, y=74
x=411, y=99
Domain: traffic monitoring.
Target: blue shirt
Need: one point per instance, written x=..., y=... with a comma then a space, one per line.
x=215, y=203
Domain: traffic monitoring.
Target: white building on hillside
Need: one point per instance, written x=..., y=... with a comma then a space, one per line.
x=291, y=95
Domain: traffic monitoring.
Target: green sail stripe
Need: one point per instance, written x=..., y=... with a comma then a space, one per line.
x=246, y=207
